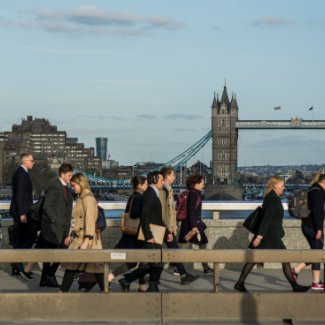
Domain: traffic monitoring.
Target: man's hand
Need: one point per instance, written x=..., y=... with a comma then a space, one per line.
x=68, y=241
x=23, y=218
x=151, y=241
x=318, y=234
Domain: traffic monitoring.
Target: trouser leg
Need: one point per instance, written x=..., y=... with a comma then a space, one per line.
x=67, y=280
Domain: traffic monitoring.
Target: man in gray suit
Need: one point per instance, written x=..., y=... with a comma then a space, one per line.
x=55, y=222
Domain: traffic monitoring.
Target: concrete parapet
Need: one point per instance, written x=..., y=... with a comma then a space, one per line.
x=222, y=234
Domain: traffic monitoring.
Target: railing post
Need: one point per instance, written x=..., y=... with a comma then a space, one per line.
x=216, y=215
x=106, y=284
x=216, y=277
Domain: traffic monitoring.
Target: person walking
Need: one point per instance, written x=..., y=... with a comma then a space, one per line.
x=312, y=226
x=193, y=225
x=270, y=233
x=151, y=213
x=24, y=233
x=84, y=234
x=166, y=196
x=127, y=241
x=55, y=221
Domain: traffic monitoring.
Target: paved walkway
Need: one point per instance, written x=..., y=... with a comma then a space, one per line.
x=259, y=280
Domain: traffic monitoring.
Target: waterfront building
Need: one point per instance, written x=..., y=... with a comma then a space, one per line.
x=48, y=145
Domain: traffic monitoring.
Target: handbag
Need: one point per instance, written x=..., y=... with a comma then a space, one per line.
x=252, y=222
x=129, y=226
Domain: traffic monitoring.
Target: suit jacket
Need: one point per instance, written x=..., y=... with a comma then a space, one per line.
x=22, y=194
x=57, y=210
x=151, y=212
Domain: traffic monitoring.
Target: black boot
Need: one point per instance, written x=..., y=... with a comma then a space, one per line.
x=153, y=287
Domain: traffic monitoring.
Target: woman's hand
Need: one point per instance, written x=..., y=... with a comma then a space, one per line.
x=68, y=241
x=195, y=230
x=256, y=242
x=84, y=244
x=318, y=235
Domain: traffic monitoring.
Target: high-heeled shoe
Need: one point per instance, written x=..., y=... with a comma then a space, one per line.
x=239, y=286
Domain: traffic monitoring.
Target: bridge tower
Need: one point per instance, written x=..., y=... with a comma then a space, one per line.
x=224, y=138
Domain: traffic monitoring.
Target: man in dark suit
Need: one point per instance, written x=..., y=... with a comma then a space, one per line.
x=151, y=213
x=24, y=234
x=55, y=222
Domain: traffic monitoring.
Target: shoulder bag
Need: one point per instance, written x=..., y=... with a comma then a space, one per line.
x=129, y=226
x=252, y=222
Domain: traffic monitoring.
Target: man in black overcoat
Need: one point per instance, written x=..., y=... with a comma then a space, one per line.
x=24, y=233
x=56, y=220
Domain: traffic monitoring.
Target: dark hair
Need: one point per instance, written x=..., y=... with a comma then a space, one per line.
x=65, y=168
x=166, y=170
x=192, y=180
x=319, y=176
x=137, y=180
x=152, y=177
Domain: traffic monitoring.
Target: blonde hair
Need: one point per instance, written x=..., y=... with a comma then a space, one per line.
x=319, y=176
x=271, y=183
x=82, y=181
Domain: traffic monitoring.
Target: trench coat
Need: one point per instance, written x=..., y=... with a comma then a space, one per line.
x=84, y=215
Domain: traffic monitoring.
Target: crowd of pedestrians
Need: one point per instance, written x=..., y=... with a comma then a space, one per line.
x=67, y=226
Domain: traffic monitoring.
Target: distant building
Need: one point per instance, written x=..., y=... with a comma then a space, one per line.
x=101, y=148
x=46, y=143
x=224, y=138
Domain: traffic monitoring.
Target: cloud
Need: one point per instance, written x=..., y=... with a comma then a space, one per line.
x=95, y=20
x=271, y=21
x=92, y=117
x=146, y=117
x=4, y=23
x=182, y=117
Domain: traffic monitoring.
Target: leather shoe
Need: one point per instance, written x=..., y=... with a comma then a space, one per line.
x=125, y=286
x=49, y=281
x=153, y=287
x=239, y=286
x=188, y=278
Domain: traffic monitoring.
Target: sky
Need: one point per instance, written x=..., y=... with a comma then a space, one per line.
x=143, y=73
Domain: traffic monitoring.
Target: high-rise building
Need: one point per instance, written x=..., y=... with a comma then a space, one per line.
x=224, y=138
x=46, y=143
x=101, y=148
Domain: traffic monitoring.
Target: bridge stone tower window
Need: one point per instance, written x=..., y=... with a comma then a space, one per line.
x=224, y=138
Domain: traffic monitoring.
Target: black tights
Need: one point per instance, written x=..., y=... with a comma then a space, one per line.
x=69, y=276
x=286, y=268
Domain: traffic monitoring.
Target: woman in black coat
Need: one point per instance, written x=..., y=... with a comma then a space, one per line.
x=270, y=233
x=193, y=225
x=133, y=206
x=312, y=227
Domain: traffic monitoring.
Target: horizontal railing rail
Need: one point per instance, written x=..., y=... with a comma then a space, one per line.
x=206, y=205
x=107, y=256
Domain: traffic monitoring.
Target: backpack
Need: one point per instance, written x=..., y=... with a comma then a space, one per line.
x=298, y=204
x=101, y=219
x=181, y=206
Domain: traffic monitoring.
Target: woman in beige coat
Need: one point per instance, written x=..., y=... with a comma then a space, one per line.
x=84, y=234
